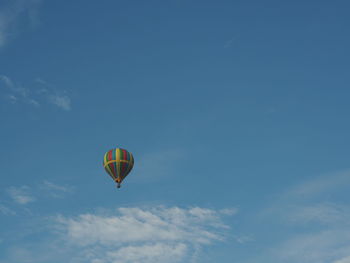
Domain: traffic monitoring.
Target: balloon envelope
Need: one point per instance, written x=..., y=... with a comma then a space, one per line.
x=118, y=163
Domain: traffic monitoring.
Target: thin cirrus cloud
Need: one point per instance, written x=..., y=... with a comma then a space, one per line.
x=24, y=194
x=55, y=187
x=133, y=234
x=37, y=96
x=320, y=185
x=62, y=102
x=323, y=246
x=56, y=190
x=153, y=234
x=6, y=211
x=343, y=260
x=229, y=42
x=149, y=253
x=323, y=213
x=21, y=195
x=13, y=14
x=314, y=208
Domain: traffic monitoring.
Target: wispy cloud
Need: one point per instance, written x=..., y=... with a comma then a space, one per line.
x=53, y=96
x=126, y=235
x=157, y=234
x=229, y=42
x=154, y=253
x=55, y=187
x=6, y=211
x=140, y=225
x=16, y=92
x=21, y=195
x=56, y=190
x=322, y=246
x=12, y=14
x=62, y=102
x=245, y=239
x=322, y=212
x=8, y=82
x=343, y=260
x=27, y=194
x=320, y=185
x=35, y=96
x=316, y=221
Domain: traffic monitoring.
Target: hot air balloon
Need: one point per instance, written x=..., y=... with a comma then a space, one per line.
x=118, y=164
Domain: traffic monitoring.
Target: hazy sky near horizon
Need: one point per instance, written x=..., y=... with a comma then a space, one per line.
x=237, y=114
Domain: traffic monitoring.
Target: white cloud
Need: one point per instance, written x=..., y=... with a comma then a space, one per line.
x=316, y=221
x=35, y=97
x=55, y=190
x=11, y=15
x=229, y=211
x=320, y=185
x=12, y=98
x=135, y=224
x=155, y=253
x=21, y=195
x=6, y=211
x=8, y=82
x=55, y=187
x=343, y=260
x=326, y=213
x=33, y=102
x=41, y=81
x=245, y=239
x=229, y=42
x=316, y=247
x=16, y=92
x=14, y=87
x=125, y=235
x=59, y=99
x=62, y=102
x=157, y=234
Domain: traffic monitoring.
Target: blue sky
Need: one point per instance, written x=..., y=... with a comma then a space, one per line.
x=236, y=113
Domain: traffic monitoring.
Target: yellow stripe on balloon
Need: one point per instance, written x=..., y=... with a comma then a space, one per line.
x=117, y=158
x=115, y=161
